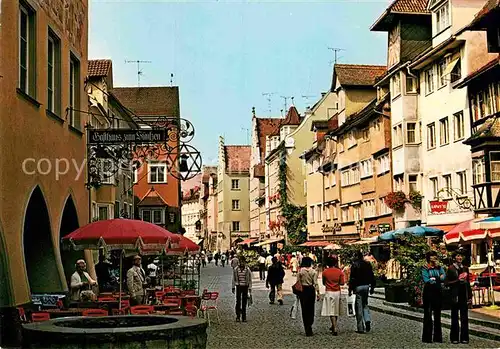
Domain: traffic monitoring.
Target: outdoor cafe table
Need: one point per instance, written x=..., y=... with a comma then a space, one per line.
x=109, y=305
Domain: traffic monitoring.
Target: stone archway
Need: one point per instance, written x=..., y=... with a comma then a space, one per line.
x=69, y=223
x=39, y=254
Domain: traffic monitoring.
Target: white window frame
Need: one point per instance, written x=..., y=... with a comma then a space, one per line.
x=396, y=85
x=108, y=210
x=356, y=211
x=411, y=84
x=448, y=183
x=345, y=178
x=369, y=208
x=434, y=187
x=429, y=80
x=24, y=68
x=319, y=211
x=345, y=214
x=383, y=164
x=235, y=226
x=442, y=17
x=328, y=214
x=495, y=172
x=384, y=209
x=431, y=136
x=415, y=133
x=235, y=205
x=478, y=170
x=150, y=172
x=441, y=68
x=462, y=182
x=366, y=168
x=233, y=186
x=74, y=90
x=311, y=214
x=410, y=182
x=444, y=131
x=397, y=135
x=459, y=126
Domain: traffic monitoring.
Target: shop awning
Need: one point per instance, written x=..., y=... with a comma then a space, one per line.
x=365, y=241
x=315, y=244
x=268, y=242
x=444, y=227
x=490, y=223
x=247, y=241
x=472, y=235
x=332, y=247
x=453, y=235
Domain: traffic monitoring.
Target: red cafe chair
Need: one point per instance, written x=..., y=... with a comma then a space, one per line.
x=22, y=315
x=39, y=317
x=159, y=296
x=211, y=300
x=125, y=309
x=140, y=309
x=188, y=293
x=106, y=299
x=191, y=310
x=95, y=312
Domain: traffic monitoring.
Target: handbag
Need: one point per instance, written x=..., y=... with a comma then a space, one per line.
x=297, y=288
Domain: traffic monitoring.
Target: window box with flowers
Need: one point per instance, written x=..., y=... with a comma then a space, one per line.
x=415, y=199
x=396, y=201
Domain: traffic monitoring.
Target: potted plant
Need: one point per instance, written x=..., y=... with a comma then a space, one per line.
x=396, y=201
x=415, y=199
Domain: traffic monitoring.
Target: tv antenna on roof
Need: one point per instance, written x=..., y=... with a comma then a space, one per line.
x=335, y=50
x=268, y=96
x=285, y=98
x=139, y=70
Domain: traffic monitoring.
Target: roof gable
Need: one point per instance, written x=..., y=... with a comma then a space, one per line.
x=356, y=74
x=152, y=198
x=265, y=127
x=97, y=68
x=237, y=158
x=150, y=101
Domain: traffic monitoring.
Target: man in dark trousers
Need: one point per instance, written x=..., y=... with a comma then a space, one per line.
x=275, y=276
x=461, y=294
x=362, y=282
x=242, y=286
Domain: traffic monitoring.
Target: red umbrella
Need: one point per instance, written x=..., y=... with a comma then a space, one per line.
x=185, y=246
x=122, y=234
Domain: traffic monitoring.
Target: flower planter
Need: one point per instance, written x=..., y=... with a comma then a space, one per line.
x=396, y=293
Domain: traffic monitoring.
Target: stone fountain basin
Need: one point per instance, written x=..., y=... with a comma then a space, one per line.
x=124, y=332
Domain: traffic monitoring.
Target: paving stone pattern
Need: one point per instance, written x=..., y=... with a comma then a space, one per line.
x=270, y=326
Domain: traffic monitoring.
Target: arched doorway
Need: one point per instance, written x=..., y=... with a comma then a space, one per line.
x=39, y=255
x=69, y=223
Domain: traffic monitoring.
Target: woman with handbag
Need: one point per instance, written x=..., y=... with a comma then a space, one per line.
x=461, y=296
x=333, y=278
x=308, y=291
x=433, y=277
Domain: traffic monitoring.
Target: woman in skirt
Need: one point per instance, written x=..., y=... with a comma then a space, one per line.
x=333, y=278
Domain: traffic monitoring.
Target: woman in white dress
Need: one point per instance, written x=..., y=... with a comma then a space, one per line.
x=333, y=278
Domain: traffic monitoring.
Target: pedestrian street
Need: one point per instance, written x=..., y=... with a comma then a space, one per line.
x=270, y=326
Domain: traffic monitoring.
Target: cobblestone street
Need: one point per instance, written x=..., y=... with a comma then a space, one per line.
x=270, y=326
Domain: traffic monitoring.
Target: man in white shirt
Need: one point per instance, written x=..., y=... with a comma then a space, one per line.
x=262, y=267
x=152, y=272
x=269, y=261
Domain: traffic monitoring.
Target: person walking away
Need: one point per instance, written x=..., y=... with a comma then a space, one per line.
x=333, y=278
x=242, y=286
x=433, y=277
x=210, y=256
x=275, y=277
x=308, y=278
x=299, y=258
x=223, y=260
x=203, y=259
x=362, y=282
x=262, y=267
x=152, y=273
x=216, y=258
x=461, y=296
x=81, y=281
x=103, y=273
x=294, y=263
x=234, y=261
x=136, y=282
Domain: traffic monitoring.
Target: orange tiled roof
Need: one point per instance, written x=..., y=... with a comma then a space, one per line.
x=152, y=198
x=358, y=74
x=265, y=127
x=292, y=118
x=409, y=6
x=99, y=67
x=237, y=158
x=150, y=101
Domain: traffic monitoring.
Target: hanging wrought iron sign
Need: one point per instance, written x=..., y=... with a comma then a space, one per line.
x=110, y=151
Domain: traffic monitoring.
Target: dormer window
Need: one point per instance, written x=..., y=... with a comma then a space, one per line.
x=442, y=17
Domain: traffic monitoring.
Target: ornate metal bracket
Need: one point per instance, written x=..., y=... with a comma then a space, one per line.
x=462, y=201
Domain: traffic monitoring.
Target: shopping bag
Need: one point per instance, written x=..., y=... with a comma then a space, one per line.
x=295, y=308
x=351, y=307
x=250, y=300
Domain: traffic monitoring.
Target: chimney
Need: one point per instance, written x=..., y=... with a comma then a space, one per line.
x=253, y=111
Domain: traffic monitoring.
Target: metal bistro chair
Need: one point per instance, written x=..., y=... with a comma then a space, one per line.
x=175, y=306
x=95, y=312
x=210, y=303
x=125, y=308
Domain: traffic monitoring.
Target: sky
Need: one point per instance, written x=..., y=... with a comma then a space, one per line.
x=224, y=55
